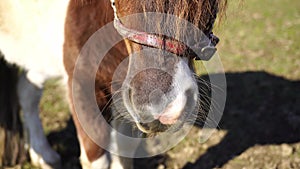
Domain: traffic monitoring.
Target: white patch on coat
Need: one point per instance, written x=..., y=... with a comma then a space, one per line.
x=32, y=35
x=183, y=79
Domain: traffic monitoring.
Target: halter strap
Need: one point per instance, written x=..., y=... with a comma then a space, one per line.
x=165, y=43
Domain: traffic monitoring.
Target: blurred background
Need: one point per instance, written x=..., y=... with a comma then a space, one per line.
x=260, y=128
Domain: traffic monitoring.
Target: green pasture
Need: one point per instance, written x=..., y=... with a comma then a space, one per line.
x=261, y=35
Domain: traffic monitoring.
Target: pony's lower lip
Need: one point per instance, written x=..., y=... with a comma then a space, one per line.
x=173, y=111
x=167, y=120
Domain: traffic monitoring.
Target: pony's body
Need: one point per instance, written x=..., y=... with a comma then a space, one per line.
x=32, y=36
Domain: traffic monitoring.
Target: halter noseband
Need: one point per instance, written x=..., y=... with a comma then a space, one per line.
x=162, y=42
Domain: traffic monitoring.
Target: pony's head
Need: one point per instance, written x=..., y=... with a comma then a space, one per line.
x=160, y=89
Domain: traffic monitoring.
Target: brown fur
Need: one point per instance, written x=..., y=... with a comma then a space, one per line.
x=81, y=22
x=87, y=16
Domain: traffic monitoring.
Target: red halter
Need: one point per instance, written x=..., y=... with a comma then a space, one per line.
x=169, y=44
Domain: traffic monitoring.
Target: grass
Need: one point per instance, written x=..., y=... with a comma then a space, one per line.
x=54, y=107
x=261, y=35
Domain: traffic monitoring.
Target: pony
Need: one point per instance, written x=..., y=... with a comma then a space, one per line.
x=154, y=91
x=46, y=38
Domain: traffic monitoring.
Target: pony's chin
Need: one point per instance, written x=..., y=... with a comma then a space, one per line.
x=156, y=128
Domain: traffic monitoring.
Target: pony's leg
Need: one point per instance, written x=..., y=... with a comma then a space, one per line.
x=118, y=162
x=107, y=160
x=41, y=154
x=91, y=155
x=103, y=162
x=116, y=143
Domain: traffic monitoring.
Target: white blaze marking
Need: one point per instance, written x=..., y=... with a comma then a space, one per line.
x=183, y=80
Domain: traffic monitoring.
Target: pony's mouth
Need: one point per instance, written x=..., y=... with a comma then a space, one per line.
x=152, y=127
x=169, y=119
x=155, y=127
x=142, y=128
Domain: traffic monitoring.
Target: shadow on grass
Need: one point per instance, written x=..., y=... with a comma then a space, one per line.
x=66, y=144
x=260, y=109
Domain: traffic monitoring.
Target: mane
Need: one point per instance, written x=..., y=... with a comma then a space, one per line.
x=201, y=13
